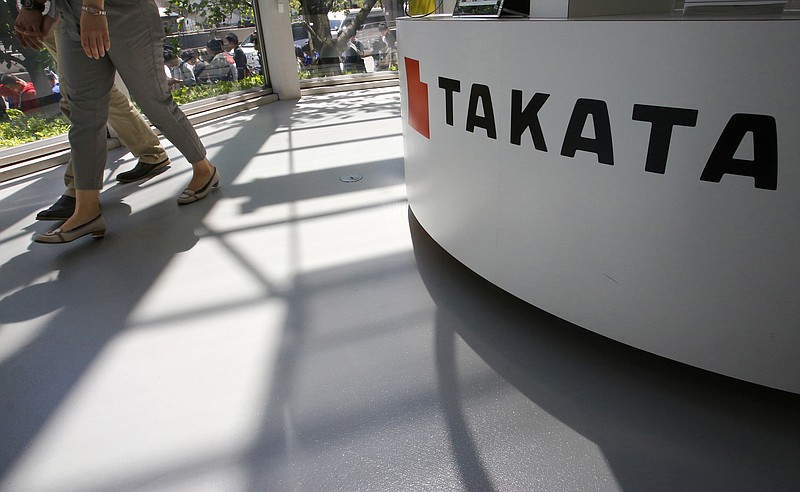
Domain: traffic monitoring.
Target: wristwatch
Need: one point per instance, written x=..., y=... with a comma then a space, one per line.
x=34, y=5
x=93, y=10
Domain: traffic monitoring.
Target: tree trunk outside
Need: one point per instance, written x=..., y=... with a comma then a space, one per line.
x=320, y=38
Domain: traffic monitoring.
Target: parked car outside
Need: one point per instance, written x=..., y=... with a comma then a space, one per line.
x=299, y=33
x=335, y=25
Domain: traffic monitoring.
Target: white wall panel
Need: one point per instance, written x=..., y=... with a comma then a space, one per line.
x=701, y=272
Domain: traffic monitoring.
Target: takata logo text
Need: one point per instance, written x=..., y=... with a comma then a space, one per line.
x=763, y=168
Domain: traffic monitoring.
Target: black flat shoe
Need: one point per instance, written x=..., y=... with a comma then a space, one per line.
x=61, y=210
x=142, y=171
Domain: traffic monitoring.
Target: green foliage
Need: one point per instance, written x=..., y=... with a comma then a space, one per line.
x=174, y=43
x=312, y=7
x=215, y=12
x=21, y=128
x=295, y=8
x=204, y=91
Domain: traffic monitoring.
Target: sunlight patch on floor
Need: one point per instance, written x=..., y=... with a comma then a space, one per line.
x=197, y=388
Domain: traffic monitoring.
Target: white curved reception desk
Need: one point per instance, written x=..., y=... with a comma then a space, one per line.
x=637, y=177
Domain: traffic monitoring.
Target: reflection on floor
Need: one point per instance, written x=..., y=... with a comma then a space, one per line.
x=296, y=331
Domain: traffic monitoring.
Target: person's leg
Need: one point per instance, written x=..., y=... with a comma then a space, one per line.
x=51, y=43
x=135, y=134
x=140, y=64
x=64, y=207
x=88, y=205
x=89, y=83
x=131, y=128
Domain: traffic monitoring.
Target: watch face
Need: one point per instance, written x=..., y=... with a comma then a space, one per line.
x=33, y=5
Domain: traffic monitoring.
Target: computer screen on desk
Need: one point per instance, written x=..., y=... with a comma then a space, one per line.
x=492, y=8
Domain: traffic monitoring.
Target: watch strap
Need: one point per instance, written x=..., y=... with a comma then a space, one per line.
x=93, y=10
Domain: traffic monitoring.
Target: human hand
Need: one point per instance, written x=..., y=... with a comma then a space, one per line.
x=48, y=23
x=28, y=28
x=94, y=35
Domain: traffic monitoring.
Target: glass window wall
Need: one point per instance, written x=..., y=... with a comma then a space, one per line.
x=211, y=49
x=335, y=37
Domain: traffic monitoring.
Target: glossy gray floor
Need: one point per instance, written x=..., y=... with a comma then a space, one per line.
x=297, y=332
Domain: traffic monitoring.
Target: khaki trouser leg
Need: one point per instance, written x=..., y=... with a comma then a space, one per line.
x=133, y=131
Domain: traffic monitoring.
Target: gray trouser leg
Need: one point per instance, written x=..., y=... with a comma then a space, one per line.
x=89, y=83
x=132, y=130
x=137, y=53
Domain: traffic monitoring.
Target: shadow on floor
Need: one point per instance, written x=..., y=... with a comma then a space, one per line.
x=661, y=425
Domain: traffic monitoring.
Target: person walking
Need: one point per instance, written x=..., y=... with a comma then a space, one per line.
x=21, y=93
x=132, y=131
x=221, y=66
x=180, y=72
x=231, y=45
x=96, y=39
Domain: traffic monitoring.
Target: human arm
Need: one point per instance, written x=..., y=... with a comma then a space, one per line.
x=240, y=57
x=32, y=25
x=174, y=83
x=95, y=39
x=199, y=70
x=188, y=75
x=358, y=47
x=28, y=28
